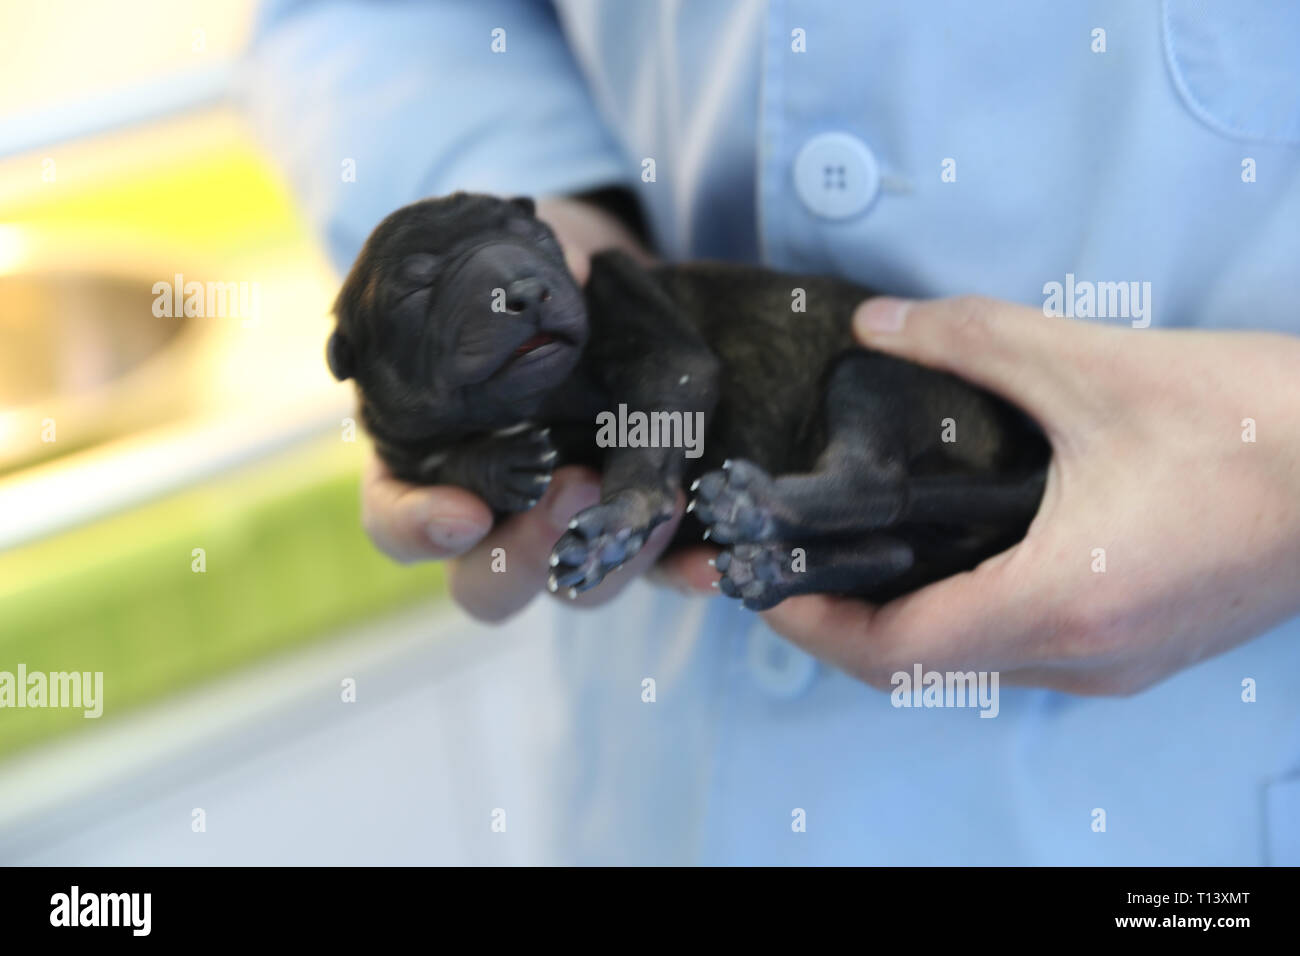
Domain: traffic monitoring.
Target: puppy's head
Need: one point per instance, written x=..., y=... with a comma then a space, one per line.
x=459, y=314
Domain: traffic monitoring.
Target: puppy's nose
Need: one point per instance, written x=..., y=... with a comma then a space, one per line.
x=525, y=294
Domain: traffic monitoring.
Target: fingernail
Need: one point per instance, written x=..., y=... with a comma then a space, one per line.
x=882, y=314
x=571, y=499
x=454, y=534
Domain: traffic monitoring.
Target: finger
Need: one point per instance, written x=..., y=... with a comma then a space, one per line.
x=846, y=633
x=1012, y=350
x=419, y=522
x=688, y=570
x=1088, y=681
x=524, y=542
x=835, y=629
x=578, y=263
x=582, y=229
x=973, y=619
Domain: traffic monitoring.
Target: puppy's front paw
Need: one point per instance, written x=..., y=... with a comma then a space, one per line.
x=599, y=540
x=736, y=503
x=517, y=468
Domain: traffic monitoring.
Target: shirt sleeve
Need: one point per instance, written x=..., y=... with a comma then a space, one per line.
x=371, y=105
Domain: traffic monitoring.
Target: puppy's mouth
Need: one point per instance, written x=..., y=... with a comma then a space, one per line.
x=536, y=342
x=538, y=352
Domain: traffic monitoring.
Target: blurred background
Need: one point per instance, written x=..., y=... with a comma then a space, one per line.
x=178, y=494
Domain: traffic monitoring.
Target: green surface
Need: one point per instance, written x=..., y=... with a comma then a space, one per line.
x=286, y=560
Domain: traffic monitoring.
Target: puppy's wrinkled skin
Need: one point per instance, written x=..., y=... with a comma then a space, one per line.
x=480, y=363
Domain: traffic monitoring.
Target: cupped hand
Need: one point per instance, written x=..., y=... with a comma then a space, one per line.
x=1169, y=530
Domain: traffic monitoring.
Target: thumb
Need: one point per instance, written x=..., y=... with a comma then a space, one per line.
x=1011, y=350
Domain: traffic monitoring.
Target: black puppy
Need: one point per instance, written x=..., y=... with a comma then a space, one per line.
x=824, y=467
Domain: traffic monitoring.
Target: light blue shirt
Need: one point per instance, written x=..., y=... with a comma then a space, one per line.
x=923, y=148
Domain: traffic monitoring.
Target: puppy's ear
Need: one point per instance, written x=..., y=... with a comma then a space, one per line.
x=339, y=355
x=525, y=203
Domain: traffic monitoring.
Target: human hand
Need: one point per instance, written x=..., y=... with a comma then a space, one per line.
x=436, y=522
x=1152, y=479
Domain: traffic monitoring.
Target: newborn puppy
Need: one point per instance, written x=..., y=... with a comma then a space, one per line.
x=823, y=467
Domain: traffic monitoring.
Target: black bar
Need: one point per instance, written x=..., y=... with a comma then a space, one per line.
x=909, y=906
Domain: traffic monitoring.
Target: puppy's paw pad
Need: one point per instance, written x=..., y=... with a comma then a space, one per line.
x=736, y=503
x=599, y=540
x=756, y=574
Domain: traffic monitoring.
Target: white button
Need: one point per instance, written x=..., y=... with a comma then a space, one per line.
x=836, y=176
x=777, y=666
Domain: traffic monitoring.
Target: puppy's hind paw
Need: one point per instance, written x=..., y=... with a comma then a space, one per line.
x=758, y=575
x=736, y=503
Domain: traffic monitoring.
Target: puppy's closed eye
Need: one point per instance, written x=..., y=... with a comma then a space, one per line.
x=416, y=273
x=418, y=270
